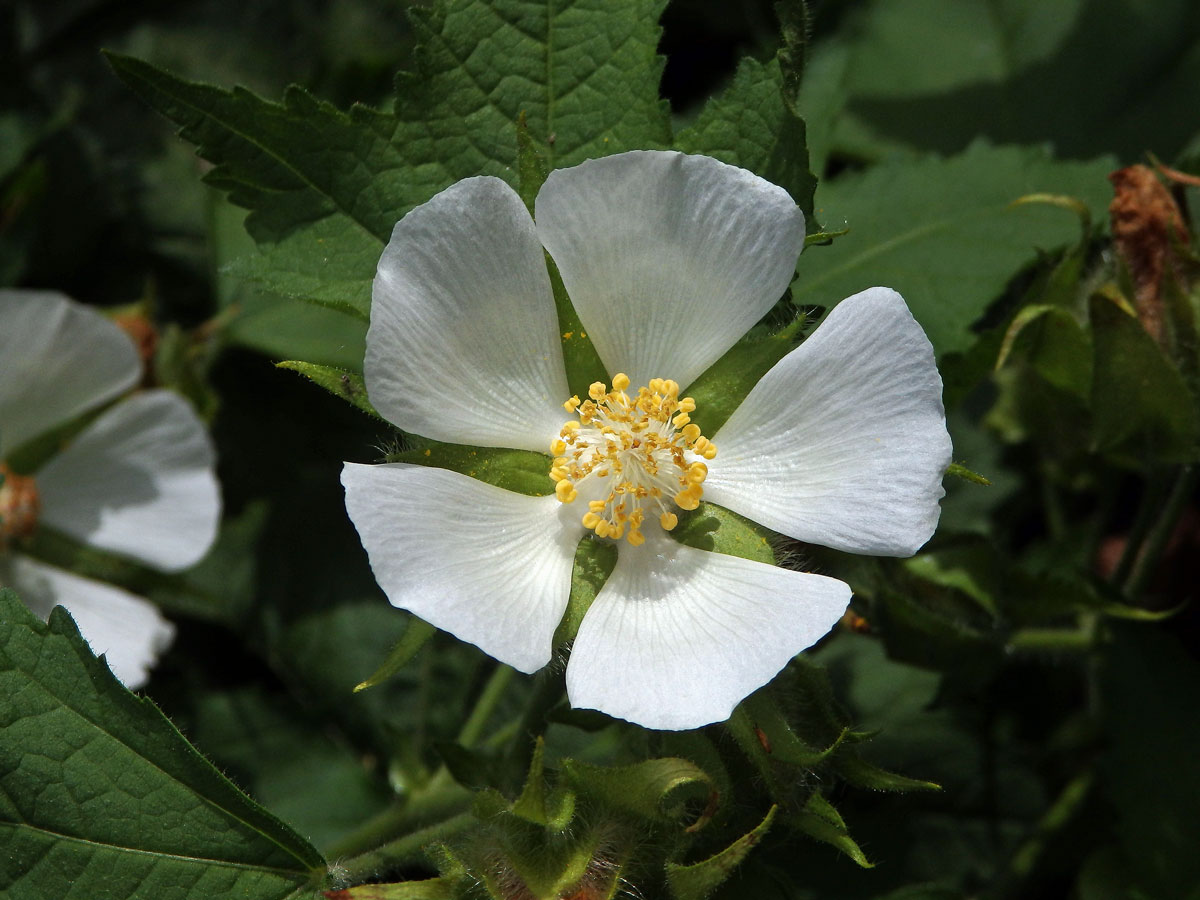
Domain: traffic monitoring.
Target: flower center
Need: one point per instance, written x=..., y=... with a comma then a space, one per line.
x=18, y=506
x=638, y=456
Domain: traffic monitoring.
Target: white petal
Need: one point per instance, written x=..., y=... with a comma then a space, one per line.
x=138, y=481
x=463, y=344
x=677, y=636
x=844, y=442
x=490, y=566
x=58, y=359
x=668, y=258
x=128, y=630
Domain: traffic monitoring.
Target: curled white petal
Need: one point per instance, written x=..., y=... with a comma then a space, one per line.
x=843, y=443
x=58, y=359
x=490, y=566
x=138, y=481
x=678, y=636
x=463, y=344
x=128, y=630
x=668, y=258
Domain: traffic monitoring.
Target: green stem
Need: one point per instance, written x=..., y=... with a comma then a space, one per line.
x=439, y=797
x=1040, y=640
x=406, y=849
x=472, y=729
x=1146, y=562
x=1152, y=502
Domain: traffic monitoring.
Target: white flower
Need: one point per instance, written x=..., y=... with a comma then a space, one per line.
x=668, y=260
x=136, y=481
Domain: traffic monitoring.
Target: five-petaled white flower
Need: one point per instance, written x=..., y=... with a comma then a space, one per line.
x=137, y=481
x=668, y=260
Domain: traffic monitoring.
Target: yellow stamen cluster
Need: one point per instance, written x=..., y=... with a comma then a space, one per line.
x=19, y=505
x=636, y=455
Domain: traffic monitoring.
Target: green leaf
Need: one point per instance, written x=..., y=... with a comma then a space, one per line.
x=102, y=796
x=820, y=820
x=347, y=385
x=697, y=880
x=279, y=328
x=750, y=125
x=522, y=471
x=415, y=635
x=942, y=232
x=1054, y=343
x=1140, y=403
x=656, y=790
x=327, y=186
x=922, y=71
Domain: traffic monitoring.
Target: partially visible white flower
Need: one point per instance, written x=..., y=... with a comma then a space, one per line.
x=668, y=260
x=137, y=481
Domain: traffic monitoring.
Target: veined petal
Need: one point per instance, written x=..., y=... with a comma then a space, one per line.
x=668, y=258
x=59, y=359
x=843, y=443
x=138, y=481
x=129, y=631
x=678, y=636
x=490, y=566
x=463, y=344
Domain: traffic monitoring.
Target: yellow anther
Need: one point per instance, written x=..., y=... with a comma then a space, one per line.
x=638, y=454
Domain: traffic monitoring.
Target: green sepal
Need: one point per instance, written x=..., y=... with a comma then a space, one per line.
x=712, y=527
x=430, y=889
x=656, y=790
x=860, y=773
x=765, y=736
x=339, y=382
x=961, y=471
x=820, y=820
x=415, y=635
x=522, y=471
x=724, y=385
x=595, y=559
x=551, y=808
x=1141, y=406
x=697, y=880
x=580, y=358
x=824, y=238
x=76, y=740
